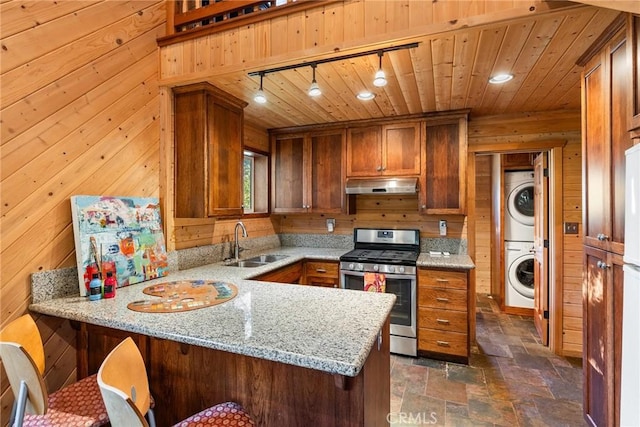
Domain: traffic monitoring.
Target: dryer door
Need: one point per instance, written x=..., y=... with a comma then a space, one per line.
x=521, y=275
x=520, y=203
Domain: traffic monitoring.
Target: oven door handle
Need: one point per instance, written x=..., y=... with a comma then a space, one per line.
x=388, y=276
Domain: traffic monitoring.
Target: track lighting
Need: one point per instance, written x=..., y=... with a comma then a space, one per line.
x=380, y=79
x=260, y=97
x=314, y=89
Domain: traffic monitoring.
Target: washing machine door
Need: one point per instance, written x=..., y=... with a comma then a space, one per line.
x=520, y=203
x=521, y=275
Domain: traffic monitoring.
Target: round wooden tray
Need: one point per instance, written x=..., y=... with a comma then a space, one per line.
x=184, y=295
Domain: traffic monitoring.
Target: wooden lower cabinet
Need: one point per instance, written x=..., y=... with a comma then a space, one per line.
x=185, y=379
x=602, y=336
x=288, y=274
x=443, y=314
x=322, y=273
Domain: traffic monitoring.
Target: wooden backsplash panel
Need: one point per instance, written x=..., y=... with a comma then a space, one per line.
x=80, y=110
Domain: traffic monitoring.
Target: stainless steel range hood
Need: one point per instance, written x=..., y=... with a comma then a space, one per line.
x=402, y=185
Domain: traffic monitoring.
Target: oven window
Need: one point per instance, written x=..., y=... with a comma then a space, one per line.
x=401, y=314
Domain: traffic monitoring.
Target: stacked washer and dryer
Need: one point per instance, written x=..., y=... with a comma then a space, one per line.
x=518, y=238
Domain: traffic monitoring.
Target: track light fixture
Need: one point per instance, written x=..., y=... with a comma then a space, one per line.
x=260, y=97
x=380, y=79
x=314, y=89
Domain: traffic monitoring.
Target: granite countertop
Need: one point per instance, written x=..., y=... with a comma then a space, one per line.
x=455, y=261
x=331, y=330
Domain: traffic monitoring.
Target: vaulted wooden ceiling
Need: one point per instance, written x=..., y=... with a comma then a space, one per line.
x=446, y=71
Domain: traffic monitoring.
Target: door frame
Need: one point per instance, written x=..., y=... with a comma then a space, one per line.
x=555, y=149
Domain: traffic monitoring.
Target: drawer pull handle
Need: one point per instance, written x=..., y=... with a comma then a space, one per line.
x=440, y=299
x=442, y=280
x=443, y=343
x=321, y=270
x=443, y=321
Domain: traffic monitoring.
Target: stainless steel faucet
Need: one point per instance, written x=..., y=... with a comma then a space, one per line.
x=237, y=248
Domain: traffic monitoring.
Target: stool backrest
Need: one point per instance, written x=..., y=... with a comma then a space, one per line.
x=22, y=355
x=124, y=385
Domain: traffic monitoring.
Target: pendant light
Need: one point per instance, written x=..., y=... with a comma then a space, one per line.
x=314, y=89
x=380, y=79
x=260, y=97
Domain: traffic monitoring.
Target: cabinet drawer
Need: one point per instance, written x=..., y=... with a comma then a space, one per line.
x=442, y=278
x=447, y=299
x=453, y=343
x=322, y=269
x=327, y=282
x=443, y=320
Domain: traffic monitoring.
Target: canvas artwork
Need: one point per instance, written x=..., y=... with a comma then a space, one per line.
x=119, y=234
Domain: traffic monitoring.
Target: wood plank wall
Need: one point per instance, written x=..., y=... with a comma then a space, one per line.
x=483, y=225
x=516, y=131
x=79, y=102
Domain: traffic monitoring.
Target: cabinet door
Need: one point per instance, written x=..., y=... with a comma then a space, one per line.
x=602, y=331
x=288, y=174
x=190, y=154
x=225, y=160
x=443, y=181
x=605, y=139
x=327, y=172
x=401, y=149
x=633, y=38
x=364, y=157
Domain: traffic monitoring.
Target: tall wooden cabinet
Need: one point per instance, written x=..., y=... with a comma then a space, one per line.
x=208, y=152
x=605, y=132
x=308, y=172
x=444, y=167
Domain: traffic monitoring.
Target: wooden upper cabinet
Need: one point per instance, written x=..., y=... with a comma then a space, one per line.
x=326, y=191
x=364, y=156
x=208, y=152
x=288, y=174
x=308, y=172
x=443, y=178
x=391, y=150
x=633, y=38
x=606, y=82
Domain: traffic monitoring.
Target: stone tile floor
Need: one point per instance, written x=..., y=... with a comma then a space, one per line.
x=511, y=380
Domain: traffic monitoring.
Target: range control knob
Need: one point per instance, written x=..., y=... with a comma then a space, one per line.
x=360, y=267
x=376, y=268
x=391, y=269
x=351, y=266
x=400, y=269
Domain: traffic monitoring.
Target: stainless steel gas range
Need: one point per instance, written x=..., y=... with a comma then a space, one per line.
x=389, y=256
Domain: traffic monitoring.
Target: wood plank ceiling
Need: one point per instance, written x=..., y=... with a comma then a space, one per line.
x=446, y=71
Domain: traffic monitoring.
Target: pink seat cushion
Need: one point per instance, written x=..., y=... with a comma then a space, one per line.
x=228, y=414
x=79, y=404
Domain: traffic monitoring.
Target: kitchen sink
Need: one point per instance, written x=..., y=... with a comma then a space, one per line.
x=246, y=264
x=265, y=259
x=257, y=261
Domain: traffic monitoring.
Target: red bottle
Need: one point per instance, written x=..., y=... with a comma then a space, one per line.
x=110, y=285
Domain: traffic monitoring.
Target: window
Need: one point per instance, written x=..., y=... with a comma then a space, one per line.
x=255, y=182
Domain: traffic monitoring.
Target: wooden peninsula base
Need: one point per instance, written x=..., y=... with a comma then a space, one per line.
x=185, y=379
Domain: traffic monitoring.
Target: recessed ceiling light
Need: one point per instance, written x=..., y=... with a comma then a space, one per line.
x=500, y=78
x=365, y=95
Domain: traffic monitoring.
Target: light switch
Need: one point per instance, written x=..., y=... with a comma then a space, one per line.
x=331, y=224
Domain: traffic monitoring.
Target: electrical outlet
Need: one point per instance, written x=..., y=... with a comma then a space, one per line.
x=570, y=228
x=443, y=227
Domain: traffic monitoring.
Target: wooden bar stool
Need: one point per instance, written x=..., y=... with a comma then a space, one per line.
x=22, y=354
x=124, y=385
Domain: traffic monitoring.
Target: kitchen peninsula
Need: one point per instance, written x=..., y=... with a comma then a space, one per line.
x=291, y=355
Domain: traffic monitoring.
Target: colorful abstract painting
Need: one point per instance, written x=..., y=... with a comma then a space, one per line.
x=119, y=234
